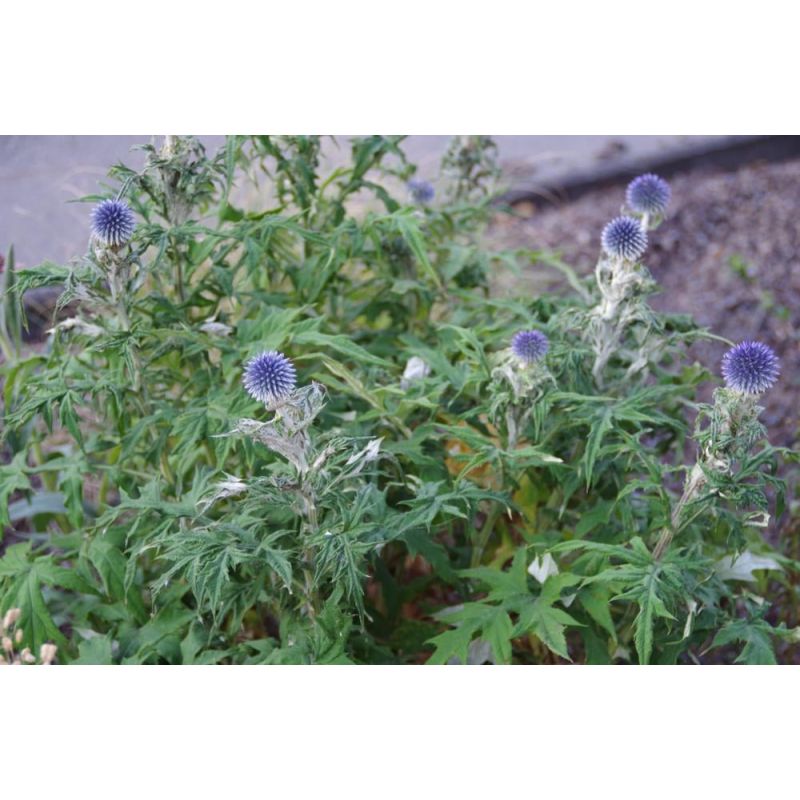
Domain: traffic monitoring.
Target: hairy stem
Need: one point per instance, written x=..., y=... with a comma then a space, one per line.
x=694, y=485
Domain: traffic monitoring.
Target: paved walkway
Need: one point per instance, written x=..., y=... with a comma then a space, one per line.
x=39, y=175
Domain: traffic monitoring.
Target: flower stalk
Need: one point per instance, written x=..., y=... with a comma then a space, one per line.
x=749, y=369
x=621, y=279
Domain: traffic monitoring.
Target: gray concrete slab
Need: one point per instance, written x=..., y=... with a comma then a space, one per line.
x=40, y=175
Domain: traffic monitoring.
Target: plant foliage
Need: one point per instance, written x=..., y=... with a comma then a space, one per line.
x=423, y=495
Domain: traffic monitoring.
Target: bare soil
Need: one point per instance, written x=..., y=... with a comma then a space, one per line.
x=728, y=254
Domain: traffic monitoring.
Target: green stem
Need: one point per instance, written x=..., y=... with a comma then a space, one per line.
x=179, y=277
x=484, y=535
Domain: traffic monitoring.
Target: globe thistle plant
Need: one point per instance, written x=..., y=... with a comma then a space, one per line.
x=471, y=165
x=529, y=346
x=269, y=377
x=733, y=429
x=621, y=325
x=421, y=191
x=113, y=222
x=648, y=194
x=112, y=225
x=622, y=282
x=750, y=367
x=519, y=380
x=624, y=238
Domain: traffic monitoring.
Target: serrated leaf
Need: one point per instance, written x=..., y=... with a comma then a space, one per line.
x=451, y=643
x=756, y=636
x=341, y=344
x=651, y=606
x=593, y=517
x=278, y=561
x=411, y=234
x=555, y=585
x=71, y=579
x=595, y=600
x=35, y=620
x=111, y=565
x=597, y=433
x=12, y=479
x=497, y=632
x=548, y=624
x=96, y=651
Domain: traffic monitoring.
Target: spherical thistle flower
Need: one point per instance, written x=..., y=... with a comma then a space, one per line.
x=421, y=191
x=269, y=377
x=750, y=367
x=623, y=237
x=648, y=194
x=529, y=346
x=113, y=222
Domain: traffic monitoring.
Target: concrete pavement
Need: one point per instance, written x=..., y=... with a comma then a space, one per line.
x=40, y=175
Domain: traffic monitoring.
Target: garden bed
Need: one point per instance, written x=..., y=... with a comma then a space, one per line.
x=727, y=255
x=443, y=462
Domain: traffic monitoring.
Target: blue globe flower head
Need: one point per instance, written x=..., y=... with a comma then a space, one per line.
x=750, y=367
x=623, y=237
x=421, y=191
x=269, y=377
x=648, y=194
x=529, y=346
x=113, y=222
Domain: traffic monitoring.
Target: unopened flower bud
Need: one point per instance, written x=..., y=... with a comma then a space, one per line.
x=27, y=656
x=47, y=653
x=12, y=615
x=8, y=645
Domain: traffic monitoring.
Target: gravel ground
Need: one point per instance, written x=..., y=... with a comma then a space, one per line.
x=728, y=254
